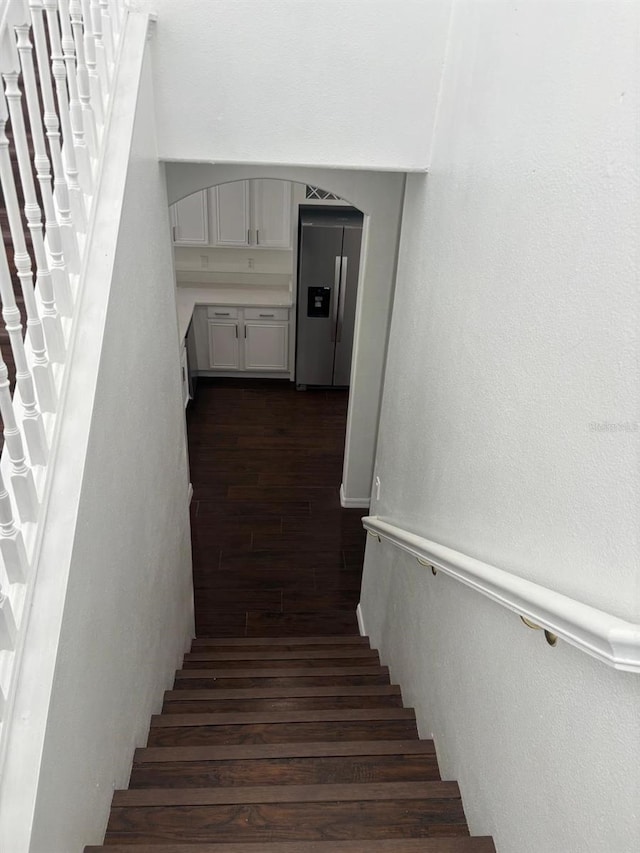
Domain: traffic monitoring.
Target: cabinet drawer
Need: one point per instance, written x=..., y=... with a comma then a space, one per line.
x=222, y=312
x=266, y=313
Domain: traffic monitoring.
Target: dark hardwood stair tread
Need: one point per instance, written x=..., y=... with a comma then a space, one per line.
x=479, y=844
x=315, y=770
x=348, y=730
x=304, y=654
x=282, y=750
x=315, y=821
x=318, y=672
x=283, y=692
x=248, y=718
x=362, y=792
x=213, y=642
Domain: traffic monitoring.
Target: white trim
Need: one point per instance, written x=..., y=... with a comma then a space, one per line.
x=352, y=503
x=360, y=618
x=602, y=635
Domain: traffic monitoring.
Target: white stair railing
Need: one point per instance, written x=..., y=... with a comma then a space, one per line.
x=57, y=65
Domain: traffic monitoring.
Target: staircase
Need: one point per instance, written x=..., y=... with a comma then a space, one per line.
x=294, y=745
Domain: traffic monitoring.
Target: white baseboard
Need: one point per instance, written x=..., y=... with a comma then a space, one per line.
x=353, y=503
x=360, y=618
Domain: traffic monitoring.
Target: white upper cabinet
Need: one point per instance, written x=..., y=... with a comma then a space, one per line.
x=271, y=213
x=231, y=214
x=254, y=213
x=189, y=218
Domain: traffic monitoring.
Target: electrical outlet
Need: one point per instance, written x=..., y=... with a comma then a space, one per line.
x=250, y=263
x=204, y=261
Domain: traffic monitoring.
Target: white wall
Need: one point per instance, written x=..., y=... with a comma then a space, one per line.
x=379, y=196
x=510, y=426
x=327, y=83
x=128, y=608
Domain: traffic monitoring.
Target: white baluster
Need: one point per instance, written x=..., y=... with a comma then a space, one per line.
x=76, y=197
x=107, y=32
x=68, y=232
x=32, y=423
x=85, y=166
x=24, y=490
x=89, y=119
x=7, y=620
x=90, y=52
x=41, y=367
x=116, y=20
x=50, y=322
x=104, y=72
x=56, y=283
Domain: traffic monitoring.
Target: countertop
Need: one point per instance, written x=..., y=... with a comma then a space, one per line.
x=253, y=296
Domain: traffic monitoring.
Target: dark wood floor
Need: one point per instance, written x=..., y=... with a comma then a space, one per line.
x=274, y=554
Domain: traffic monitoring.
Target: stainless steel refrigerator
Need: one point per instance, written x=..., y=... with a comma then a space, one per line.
x=328, y=266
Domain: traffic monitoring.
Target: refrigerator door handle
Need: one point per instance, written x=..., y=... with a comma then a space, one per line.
x=335, y=298
x=343, y=291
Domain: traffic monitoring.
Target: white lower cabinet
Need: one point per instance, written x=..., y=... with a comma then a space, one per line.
x=249, y=340
x=266, y=345
x=224, y=345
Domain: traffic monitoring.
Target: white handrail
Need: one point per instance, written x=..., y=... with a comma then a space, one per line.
x=602, y=635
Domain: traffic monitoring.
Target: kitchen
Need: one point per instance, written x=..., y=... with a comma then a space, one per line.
x=236, y=251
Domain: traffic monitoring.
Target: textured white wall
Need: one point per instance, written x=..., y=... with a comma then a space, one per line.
x=510, y=426
x=128, y=609
x=379, y=196
x=327, y=83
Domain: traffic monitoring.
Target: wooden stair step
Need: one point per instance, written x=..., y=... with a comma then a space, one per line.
x=309, y=665
x=247, y=752
x=215, y=796
x=285, y=654
x=284, y=692
x=479, y=844
x=203, y=735
x=278, y=642
x=317, y=770
x=279, y=672
x=300, y=703
x=248, y=717
x=281, y=677
x=306, y=821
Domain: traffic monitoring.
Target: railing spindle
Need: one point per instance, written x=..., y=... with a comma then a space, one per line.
x=83, y=155
x=107, y=32
x=68, y=233
x=24, y=490
x=8, y=628
x=41, y=367
x=84, y=92
x=97, y=95
x=32, y=423
x=76, y=196
x=104, y=72
x=55, y=282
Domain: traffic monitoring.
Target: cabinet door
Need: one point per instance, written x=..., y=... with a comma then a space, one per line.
x=190, y=220
x=230, y=214
x=224, y=352
x=271, y=208
x=266, y=346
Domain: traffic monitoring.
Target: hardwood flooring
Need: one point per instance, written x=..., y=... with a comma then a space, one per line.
x=274, y=554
